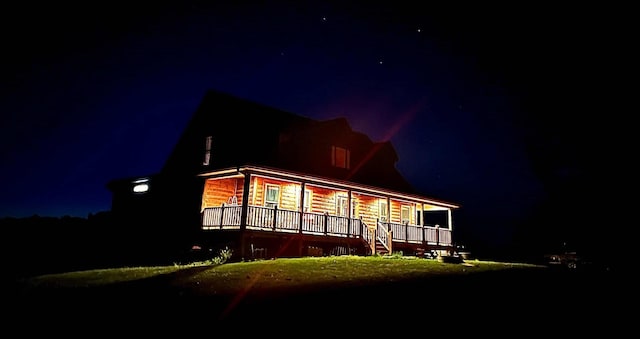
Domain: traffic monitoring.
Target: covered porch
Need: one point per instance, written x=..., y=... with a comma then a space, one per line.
x=256, y=202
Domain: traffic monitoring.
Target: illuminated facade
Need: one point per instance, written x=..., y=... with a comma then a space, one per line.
x=268, y=183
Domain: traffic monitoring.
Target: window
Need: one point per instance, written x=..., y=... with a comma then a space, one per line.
x=340, y=157
x=307, y=201
x=341, y=206
x=207, y=150
x=405, y=212
x=354, y=210
x=271, y=195
x=383, y=211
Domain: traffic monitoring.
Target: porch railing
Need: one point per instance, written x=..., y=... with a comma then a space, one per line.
x=274, y=219
x=265, y=218
x=405, y=232
x=383, y=236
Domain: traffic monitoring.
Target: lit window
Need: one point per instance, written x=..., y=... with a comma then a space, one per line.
x=383, y=211
x=271, y=195
x=341, y=206
x=207, y=150
x=307, y=200
x=405, y=212
x=354, y=210
x=340, y=157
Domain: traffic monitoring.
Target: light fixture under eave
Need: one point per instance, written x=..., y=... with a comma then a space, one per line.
x=140, y=188
x=141, y=185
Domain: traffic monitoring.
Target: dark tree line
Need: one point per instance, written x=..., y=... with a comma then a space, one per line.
x=40, y=245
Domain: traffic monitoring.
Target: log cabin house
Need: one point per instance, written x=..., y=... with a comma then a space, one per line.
x=268, y=183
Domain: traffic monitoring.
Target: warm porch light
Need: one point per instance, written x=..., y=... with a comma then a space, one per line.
x=141, y=186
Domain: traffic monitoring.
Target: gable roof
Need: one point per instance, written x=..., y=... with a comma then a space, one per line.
x=218, y=108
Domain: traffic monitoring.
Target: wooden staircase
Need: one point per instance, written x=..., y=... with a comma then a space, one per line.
x=380, y=249
x=379, y=246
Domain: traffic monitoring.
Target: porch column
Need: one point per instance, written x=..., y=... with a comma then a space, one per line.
x=389, y=213
x=244, y=213
x=349, y=214
x=422, y=224
x=303, y=185
x=449, y=220
x=301, y=208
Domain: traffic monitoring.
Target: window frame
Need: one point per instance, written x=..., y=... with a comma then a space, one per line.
x=403, y=209
x=270, y=203
x=345, y=158
x=306, y=200
x=208, y=141
x=383, y=213
x=342, y=205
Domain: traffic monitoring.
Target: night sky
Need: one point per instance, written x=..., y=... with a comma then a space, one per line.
x=490, y=107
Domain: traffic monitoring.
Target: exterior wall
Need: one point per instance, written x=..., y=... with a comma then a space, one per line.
x=367, y=208
x=289, y=192
x=396, y=211
x=219, y=191
x=323, y=200
x=289, y=196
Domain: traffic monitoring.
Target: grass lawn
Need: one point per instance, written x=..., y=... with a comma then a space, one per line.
x=324, y=289
x=270, y=275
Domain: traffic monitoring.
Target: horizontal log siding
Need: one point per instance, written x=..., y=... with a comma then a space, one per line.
x=259, y=193
x=368, y=209
x=322, y=200
x=218, y=191
x=395, y=211
x=289, y=196
x=289, y=193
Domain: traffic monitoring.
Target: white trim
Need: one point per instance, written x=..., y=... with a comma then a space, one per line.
x=264, y=198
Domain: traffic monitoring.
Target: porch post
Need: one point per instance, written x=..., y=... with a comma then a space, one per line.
x=388, y=211
x=349, y=215
x=390, y=241
x=221, y=215
x=301, y=219
x=301, y=209
x=275, y=217
x=406, y=231
x=326, y=221
x=373, y=241
x=244, y=212
x=422, y=224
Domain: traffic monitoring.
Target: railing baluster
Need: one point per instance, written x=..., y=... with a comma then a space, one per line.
x=221, y=215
